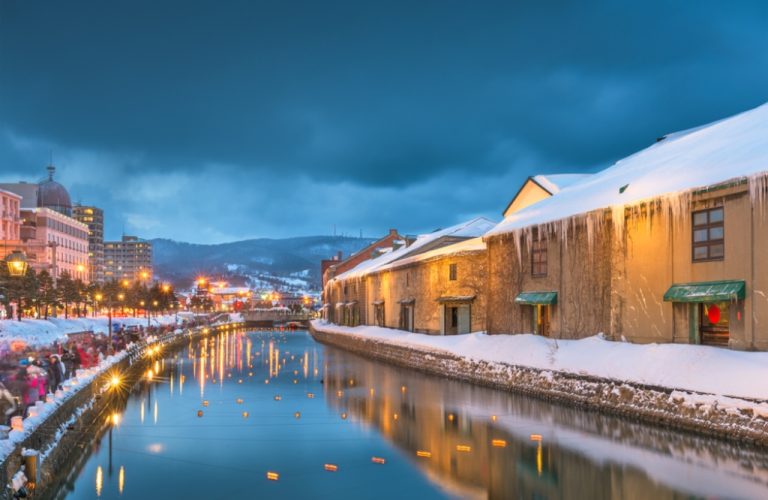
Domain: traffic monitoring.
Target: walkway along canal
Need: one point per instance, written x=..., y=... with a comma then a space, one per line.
x=273, y=414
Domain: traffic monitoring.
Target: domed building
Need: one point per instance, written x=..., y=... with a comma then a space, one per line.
x=51, y=194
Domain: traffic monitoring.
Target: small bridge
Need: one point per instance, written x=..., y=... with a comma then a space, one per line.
x=270, y=318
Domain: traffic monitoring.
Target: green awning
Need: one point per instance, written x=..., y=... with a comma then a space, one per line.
x=534, y=298
x=706, y=291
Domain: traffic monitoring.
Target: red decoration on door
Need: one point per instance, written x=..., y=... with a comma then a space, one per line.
x=713, y=314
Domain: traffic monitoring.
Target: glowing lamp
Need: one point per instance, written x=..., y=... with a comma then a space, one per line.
x=239, y=401
x=424, y=454
x=499, y=443
x=205, y=403
x=17, y=263
x=464, y=448
x=278, y=397
x=245, y=414
x=273, y=476
x=536, y=437
x=297, y=415
x=199, y=413
x=17, y=424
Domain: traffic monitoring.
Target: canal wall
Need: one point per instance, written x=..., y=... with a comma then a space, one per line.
x=61, y=434
x=703, y=414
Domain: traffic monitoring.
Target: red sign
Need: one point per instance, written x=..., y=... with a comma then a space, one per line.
x=713, y=314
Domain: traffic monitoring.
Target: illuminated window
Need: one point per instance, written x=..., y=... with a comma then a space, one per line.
x=708, y=235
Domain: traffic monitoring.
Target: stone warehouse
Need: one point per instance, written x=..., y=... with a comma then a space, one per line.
x=666, y=245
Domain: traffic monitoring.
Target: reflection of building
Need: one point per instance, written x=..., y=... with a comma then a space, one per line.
x=130, y=258
x=93, y=217
x=482, y=443
x=10, y=216
x=51, y=238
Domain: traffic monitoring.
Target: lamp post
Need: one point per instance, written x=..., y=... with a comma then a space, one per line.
x=17, y=268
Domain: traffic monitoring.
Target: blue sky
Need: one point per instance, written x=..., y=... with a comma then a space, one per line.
x=213, y=121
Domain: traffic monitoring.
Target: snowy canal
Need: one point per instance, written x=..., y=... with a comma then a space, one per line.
x=273, y=414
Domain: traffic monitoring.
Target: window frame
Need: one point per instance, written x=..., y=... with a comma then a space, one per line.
x=453, y=272
x=708, y=243
x=539, y=247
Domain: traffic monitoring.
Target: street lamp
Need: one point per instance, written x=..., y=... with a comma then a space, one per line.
x=17, y=263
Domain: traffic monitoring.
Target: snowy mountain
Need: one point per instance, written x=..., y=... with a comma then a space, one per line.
x=291, y=264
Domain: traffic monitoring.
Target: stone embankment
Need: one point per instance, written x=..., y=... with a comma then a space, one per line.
x=80, y=415
x=686, y=411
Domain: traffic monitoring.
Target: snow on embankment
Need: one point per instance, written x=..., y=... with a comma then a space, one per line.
x=42, y=333
x=683, y=367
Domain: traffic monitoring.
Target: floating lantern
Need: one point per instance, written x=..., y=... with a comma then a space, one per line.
x=378, y=460
x=311, y=395
x=205, y=403
x=297, y=415
x=343, y=416
x=240, y=381
x=17, y=423
x=395, y=416
x=499, y=443
x=199, y=413
x=32, y=411
x=295, y=381
x=245, y=414
x=273, y=476
x=229, y=375
x=339, y=394
x=423, y=454
x=331, y=467
x=277, y=397
x=250, y=374
x=463, y=448
x=295, y=372
x=239, y=401
x=266, y=380
x=402, y=389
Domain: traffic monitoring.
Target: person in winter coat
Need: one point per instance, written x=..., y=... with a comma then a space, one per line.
x=7, y=404
x=55, y=373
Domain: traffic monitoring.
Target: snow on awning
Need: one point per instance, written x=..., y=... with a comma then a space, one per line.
x=351, y=303
x=377, y=302
x=706, y=291
x=456, y=298
x=406, y=301
x=339, y=305
x=536, y=298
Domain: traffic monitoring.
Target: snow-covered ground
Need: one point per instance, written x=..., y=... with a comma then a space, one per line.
x=711, y=370
x=41, y=333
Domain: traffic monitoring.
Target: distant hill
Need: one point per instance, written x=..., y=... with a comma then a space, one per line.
x=290, y=264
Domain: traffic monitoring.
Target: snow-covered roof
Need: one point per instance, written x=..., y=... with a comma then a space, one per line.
x=470, y=229
x=463, y=247
x=729, y=149
x=556, y=182
x=230, y=290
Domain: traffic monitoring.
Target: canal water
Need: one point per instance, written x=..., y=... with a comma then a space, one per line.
x=273, y=414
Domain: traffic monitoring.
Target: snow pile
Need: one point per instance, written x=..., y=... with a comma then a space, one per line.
x=461, y=248
x=554, y=183
x=683, y=367
x=470, y=229
x=42, y=333
x=735, y=148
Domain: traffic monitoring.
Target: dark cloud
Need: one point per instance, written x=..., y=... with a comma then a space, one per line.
x=256, y=101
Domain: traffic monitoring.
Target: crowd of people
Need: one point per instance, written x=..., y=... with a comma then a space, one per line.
x=29, y=375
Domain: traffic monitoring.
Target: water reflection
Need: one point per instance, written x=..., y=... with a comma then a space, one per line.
x=274, y=414
x=490, y=444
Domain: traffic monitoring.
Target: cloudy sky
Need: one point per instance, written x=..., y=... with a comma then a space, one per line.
x=211, y=121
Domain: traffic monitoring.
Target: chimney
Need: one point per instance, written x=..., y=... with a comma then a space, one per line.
x=338, y=255
x=393, y=232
